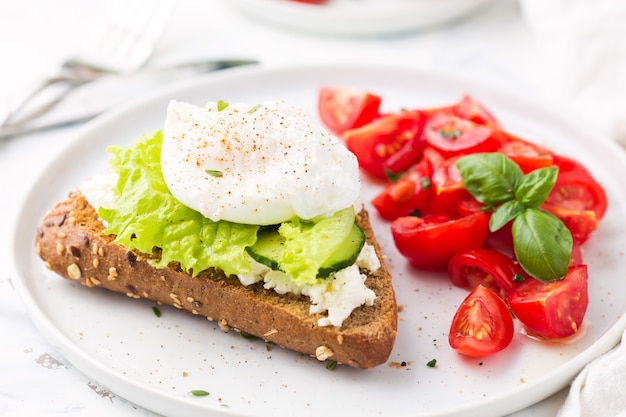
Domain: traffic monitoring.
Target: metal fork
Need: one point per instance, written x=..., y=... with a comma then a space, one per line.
x=122, y=42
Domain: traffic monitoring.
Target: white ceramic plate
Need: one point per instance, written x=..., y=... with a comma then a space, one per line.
x=155, y=362
x=359, y=17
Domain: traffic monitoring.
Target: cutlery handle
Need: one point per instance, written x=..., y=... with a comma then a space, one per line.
x=42, y=99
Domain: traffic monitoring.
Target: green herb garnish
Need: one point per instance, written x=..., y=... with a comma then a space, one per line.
x=518, y=278
x=431, y=363
x=331, y=365
x=255, y=108
x=214, y=173
x=449, y=134
x=156, y=311
x=542, y=243
x=221, y=105
x=198, y=393
x=393, y=176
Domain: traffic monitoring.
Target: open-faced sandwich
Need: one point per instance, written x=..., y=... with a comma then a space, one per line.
x=248, y=215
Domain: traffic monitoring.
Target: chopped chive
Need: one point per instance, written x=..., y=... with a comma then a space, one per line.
x=199, y=393
x=156, y=311
x=214, y=173
x=255, y=108
x=331, y=365
x=518, y=278
x=393, y=176
x=432, y=363
x=221, y=105
x=449, y=134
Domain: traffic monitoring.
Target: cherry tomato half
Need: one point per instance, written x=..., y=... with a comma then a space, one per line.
x=378, y=141
x=577, y=199
x=343, y=108
x=482, y=324
x=552, y=309
x=452, y=135
x=412, y=192
x=577, y=189
x=470, y=109
x=486, y=267
x=430, y=242
x=528, y=156
x=449, y=188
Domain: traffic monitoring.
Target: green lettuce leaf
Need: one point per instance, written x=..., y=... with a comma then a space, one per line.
x=148, y=216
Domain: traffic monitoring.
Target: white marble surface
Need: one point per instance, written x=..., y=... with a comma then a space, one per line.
x=493, y=45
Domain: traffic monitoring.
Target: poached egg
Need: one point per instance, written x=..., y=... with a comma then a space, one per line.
x=255, y=164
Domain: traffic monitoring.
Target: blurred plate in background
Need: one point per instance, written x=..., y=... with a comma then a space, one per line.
x=359, y=17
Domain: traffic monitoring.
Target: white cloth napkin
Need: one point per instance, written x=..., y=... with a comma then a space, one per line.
x=600, y=389
x=583, y=63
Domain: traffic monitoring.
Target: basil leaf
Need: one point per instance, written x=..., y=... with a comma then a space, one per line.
x=542, y=244
x=504, y=214
x=491, y=178
x=535, y=186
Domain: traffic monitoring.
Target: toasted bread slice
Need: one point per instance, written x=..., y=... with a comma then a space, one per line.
x=71, y=242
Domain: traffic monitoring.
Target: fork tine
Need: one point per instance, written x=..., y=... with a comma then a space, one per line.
x=128, y=34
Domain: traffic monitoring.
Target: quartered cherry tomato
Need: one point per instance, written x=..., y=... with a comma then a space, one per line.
x=528, y=156
x=552, y=309
x=470, y=109
x=452, y=135
x=576, y=188
x=411, y=193
x=577, y=199
x=376, y=143
x=486, y=267
x=448, y=187
x=482, y=324
x=431, y=242
x=343, y=108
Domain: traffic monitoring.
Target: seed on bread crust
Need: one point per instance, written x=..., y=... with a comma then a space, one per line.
x=223, y=325
x=269, y=333
x=74, y=272
x=323, y=352
x=112, y=273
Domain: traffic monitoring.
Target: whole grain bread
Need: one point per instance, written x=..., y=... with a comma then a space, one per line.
x=71, y=242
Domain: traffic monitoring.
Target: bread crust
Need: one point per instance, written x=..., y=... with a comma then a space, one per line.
x=71, y=243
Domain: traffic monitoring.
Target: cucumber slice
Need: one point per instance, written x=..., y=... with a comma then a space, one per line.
x=270, y=245
x=268, y=248
x=346, y=253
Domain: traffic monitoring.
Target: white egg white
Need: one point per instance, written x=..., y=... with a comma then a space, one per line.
x=255, y=164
